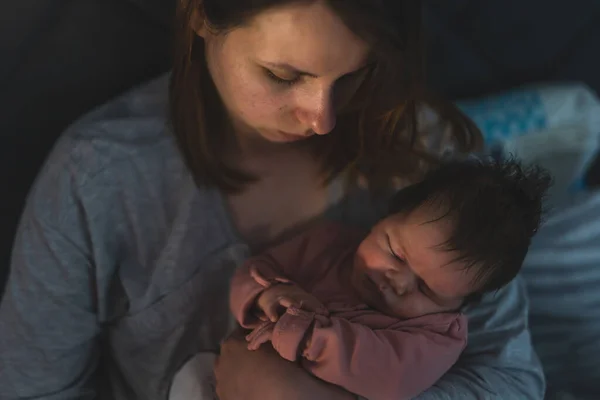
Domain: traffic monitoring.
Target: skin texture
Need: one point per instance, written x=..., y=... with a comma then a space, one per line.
x=285, y=75
x=238, y=377
x=275, y=300
x=399, y=268
x=256, y=69
x=248, y=65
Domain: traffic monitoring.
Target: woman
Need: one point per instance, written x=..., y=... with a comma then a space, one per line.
x=121, y=264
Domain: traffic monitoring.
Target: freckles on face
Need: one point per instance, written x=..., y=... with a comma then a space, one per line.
x=259, y=68
x=246, y=95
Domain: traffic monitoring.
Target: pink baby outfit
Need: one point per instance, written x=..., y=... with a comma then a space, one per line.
x=356, y=347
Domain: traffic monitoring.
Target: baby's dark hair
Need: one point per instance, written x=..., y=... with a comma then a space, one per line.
x=495, y=208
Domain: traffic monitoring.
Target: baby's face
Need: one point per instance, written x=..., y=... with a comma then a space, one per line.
x=400, y=257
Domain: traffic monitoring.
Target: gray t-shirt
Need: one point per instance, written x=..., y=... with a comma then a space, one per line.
x=121, y=267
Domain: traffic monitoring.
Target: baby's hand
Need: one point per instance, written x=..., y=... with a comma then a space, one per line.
x=276, y=299
x=260, y=335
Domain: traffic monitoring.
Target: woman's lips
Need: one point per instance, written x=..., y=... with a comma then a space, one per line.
x=293, y=136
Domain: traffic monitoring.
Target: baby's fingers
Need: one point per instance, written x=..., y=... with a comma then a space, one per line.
x=262, y=317
x=271, y=311
x=259, y=336
x=312, y=304
x=288, y=302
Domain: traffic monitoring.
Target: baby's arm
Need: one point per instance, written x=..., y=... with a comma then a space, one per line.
x=284, y=264
x=377, y=364
x=247, y=285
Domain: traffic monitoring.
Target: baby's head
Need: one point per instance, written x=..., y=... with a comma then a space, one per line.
x=461, y=232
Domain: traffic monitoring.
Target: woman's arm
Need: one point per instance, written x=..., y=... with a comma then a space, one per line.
x=263, y=375
x=394, y=363
x=499, y=361
x=48, y=324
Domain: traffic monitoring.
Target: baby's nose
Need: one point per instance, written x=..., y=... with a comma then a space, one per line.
x=402, y=283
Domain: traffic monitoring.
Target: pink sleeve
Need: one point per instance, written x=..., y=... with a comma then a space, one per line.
x=375, y=364
x=249, y=281
x=287, y=262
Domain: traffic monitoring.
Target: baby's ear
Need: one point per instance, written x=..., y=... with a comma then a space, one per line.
x=472, y=300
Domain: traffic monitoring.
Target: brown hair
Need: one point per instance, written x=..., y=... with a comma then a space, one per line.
x=377, y=135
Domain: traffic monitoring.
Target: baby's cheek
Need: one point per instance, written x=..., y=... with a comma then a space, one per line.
x=407, y=307
x=420, y=305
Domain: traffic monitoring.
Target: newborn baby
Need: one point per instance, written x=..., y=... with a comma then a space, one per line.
x=380, y=315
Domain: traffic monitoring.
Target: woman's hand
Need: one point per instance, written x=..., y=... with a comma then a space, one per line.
x=242, y=374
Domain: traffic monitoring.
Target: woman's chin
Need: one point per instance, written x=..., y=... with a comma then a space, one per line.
x=285, y=137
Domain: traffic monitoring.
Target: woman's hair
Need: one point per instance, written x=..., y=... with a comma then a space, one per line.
x=376, y=135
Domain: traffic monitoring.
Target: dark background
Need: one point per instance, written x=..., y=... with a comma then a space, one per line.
x=61, y=58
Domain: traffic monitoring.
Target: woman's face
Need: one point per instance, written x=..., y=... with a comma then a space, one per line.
x=286, y=74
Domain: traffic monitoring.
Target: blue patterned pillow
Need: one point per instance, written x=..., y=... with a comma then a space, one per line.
x=507, y=115
x=557, y=126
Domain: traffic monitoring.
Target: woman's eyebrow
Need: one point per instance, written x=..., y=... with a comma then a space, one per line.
x=299, y=72
x=290, y=68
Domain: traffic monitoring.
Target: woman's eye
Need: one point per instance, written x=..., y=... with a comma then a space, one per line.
x=279, y=80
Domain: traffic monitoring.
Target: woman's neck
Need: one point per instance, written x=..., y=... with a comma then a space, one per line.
x=262, y=157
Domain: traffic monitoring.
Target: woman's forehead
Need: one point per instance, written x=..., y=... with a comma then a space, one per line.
x=308, y=36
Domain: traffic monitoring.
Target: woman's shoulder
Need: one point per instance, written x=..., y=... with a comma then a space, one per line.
x=121, y=152
x=132, y=128
x=122, y=144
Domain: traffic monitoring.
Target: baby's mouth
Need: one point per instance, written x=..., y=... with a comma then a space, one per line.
x=370, y=283
x=372, y=287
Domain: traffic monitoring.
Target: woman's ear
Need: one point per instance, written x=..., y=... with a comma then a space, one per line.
x=198, y=23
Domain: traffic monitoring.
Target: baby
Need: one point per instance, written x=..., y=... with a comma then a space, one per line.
x=380, y=315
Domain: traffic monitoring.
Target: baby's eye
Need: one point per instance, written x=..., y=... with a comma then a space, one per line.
x=394, y=254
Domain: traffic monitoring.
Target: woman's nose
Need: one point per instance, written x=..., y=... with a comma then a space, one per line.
x=318, y=115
